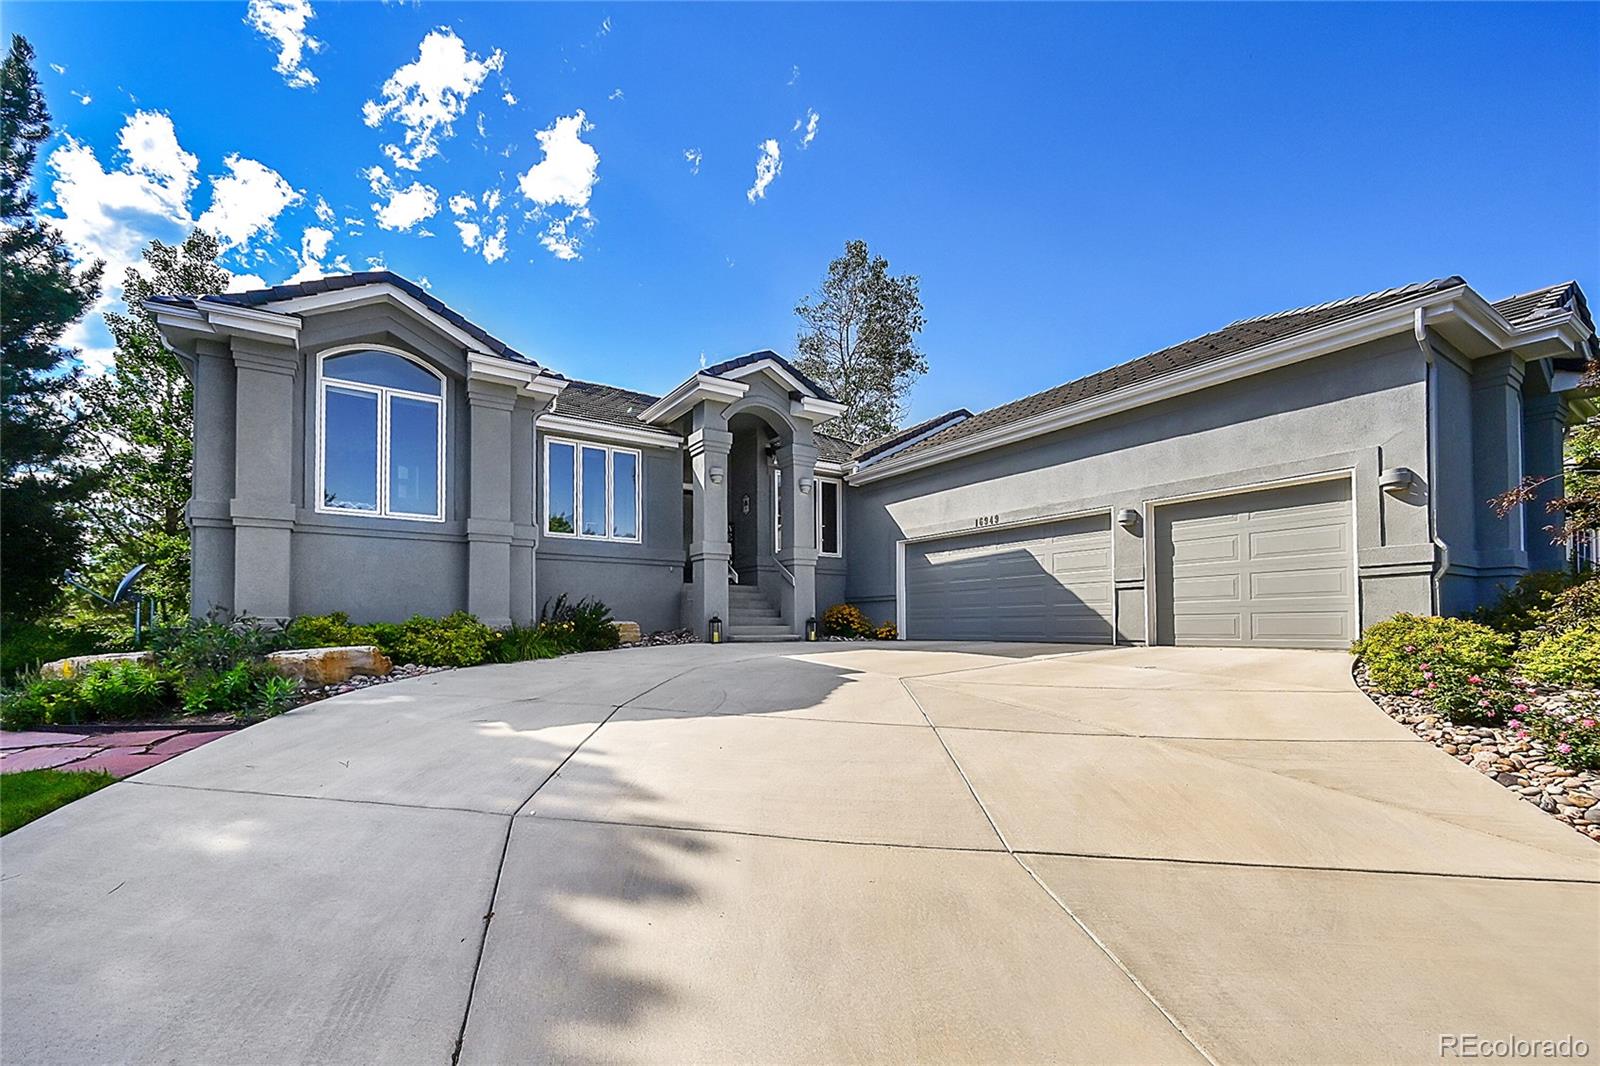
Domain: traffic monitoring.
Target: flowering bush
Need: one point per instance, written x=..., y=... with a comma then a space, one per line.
x=1467, y=698
x=1572, y=737
x=846, y=620
x=887, y=631
x=1570, y=658
x=1395, y=651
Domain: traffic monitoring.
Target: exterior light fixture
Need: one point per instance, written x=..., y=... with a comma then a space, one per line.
x=1397, y=480
x=805, y=486
x=1128, y=518
x=811, y=629
x=716, y=475
x=715, y=634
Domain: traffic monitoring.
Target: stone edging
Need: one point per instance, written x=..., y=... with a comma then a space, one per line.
x=1521, y=764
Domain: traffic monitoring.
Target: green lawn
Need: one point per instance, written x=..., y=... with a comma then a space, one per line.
x=35, y=793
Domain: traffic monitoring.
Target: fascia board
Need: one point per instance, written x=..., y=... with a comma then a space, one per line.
x=693, y=391
x=609, y=431
x=815, y=410
x=365, y=294
x=774, y=368
x=248, y=322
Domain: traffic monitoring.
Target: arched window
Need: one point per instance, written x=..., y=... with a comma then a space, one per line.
x=380, y=433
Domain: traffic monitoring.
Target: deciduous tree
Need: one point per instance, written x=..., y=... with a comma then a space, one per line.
x=858, y=340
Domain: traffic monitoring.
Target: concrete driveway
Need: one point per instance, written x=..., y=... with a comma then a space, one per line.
x=806, y=853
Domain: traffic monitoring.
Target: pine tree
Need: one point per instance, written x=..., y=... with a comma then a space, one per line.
x=40, y=296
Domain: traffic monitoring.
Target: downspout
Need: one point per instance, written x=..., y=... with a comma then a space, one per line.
x=1441, y=550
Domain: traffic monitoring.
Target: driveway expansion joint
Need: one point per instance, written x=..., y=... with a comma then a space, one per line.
x=1376, y=871
x=721, y=831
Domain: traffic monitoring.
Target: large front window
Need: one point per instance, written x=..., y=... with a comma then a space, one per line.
x=591, y=490
x=380, y=436
x=830, y=534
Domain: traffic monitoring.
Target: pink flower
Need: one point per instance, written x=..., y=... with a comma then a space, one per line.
x=1474, y=679
x=1521, y=708
x=1483, y=703
x=1512, y=723
x=1563, y=748
x=1417, y=691
x=1427, y=673
x=1411, y=648
x=1433, y=684
x=1587, y=723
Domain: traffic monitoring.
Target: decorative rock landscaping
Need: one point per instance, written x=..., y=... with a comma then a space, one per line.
x=79, y=663
x=361, y=681
x=1513, y=759
x=319, y=667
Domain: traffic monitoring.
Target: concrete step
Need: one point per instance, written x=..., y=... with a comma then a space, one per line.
x=760, y=632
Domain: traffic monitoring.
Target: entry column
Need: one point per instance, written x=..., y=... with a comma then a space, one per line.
x=709, y=552
x=798, y=552
x=262, y=509
x=489, y=526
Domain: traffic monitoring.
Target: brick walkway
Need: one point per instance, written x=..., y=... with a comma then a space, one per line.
x=119, y=754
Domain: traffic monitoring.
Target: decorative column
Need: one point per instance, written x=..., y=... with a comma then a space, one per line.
x=709, y=552
x=1497, y=460
x=525, y=508
x=1544, y=439
x=489, y=525
x=798, y=553
x=263, y=506
x=210, y=514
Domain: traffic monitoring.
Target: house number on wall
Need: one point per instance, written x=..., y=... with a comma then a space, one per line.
x=986, y=520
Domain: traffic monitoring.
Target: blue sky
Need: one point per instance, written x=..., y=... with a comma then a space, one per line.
x=1075, y=184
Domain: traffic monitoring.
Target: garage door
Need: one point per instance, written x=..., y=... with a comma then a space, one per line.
x=1269, y=569
x=1045, y=582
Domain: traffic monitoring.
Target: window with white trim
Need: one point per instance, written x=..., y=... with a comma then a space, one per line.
x=380, y=436
x=830, y=517
x=591, y=491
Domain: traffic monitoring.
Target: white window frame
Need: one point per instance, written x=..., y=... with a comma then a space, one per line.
x=612, y=451
x=383, y=393
x=777, y=509
x=838, y=519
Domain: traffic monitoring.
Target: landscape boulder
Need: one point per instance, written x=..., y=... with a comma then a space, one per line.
x=628, y=632
x=79, y=663
x=331, y=666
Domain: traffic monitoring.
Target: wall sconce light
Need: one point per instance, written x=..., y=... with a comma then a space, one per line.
x=714, y=635
x=716, y=475
x=811, y=629
x=805, y=486
x=1397, y=480
x=1128, y=519
x=744, y=503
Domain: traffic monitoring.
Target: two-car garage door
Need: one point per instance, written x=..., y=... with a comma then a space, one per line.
x=1268, y=568
x=1049, y=582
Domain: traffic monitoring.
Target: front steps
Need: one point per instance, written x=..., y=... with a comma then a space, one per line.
x=751, y=617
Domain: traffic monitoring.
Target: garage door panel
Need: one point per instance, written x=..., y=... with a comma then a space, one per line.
x=1047, y=582
x=1285, y=571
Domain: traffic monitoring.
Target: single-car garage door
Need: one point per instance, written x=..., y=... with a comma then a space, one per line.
x=1049, y=582
x=1270, y=569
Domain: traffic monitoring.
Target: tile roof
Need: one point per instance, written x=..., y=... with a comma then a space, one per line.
x=878, y=445
x=1229, y=340
x=602, y=403
x=721, y=369
x=1526, y=308
x=831, y=449
x=336, y=282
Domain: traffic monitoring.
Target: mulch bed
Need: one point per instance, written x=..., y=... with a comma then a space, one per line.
x=1519, y=763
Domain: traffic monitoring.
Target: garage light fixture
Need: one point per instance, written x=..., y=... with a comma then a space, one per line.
x=1128, y=519
x=1397, y=480
x=716, y=475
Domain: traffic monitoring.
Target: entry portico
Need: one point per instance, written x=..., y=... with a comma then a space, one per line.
x=750, y=481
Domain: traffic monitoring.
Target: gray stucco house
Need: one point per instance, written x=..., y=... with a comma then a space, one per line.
x=1280, y=482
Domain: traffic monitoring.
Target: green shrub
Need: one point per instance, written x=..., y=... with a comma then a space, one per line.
x=1570, y=658
x=457, y=639
x=105, y=692
x=322, y=631
x=1468, y=698
x=582, y=626
x=1398, y=651
x=1575, y=607
x=245, y=690
x=26, y=646
x=887, y=631
x=522, y=643
x=845, y=620
x=1572, y=737
x=200, y=647
x=1522, y=606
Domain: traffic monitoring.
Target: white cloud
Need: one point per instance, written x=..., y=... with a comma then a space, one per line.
x=246, y=201
x=509, y=98
x=401, y=208
x=811, y=120
x=481, y=231
x=794, y=75
x=314, y=243
x=491, y=200
x=461, y=203
x=616, y=94
x=113, y=214
x=426, y=96
x=284, y=23
x=693, y=156
x=566, y=176
x=324, y=212
x=471, y=234
x=769, y=164
x=245, y=283
x=58, y=68
x=494, y=249
x=605, y=26
x=83, y=98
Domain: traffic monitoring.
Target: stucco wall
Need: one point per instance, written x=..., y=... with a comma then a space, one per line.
x=1360, y=410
